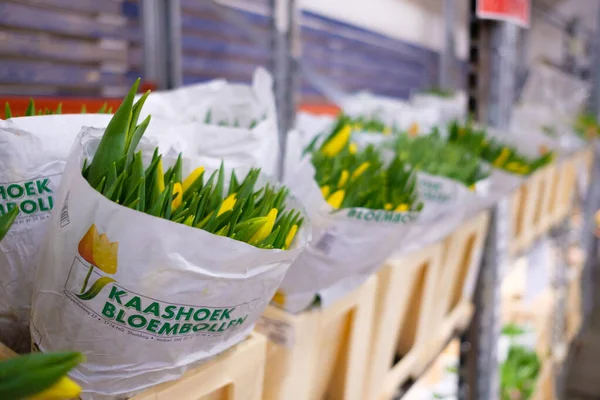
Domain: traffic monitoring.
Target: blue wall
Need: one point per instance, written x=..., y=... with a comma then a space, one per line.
x=62, y=47
x=67, y=47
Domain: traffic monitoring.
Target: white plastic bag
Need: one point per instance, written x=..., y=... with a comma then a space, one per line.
x=33, y=152
x=347, y=246
x=450, y=108
x=241, y=146
x=153, y=298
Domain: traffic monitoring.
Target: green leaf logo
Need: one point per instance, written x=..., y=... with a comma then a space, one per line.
x=96, y=288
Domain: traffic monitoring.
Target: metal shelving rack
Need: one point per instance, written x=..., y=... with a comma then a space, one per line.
x=493, y=78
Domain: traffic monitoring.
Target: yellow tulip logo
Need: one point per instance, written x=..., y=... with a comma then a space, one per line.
x=100, y=252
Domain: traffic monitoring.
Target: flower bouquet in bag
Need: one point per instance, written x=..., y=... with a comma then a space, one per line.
x=219, y=119
x=449, y=179
x=361, y=208
x=33, y=152
x=151, y=266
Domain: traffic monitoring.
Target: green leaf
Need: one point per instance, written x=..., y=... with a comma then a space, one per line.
x=7, y=112
x=96, y=288
x=30, y=112
x=113, y=144
x=7, y=220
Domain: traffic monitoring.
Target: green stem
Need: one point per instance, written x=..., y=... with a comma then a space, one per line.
x=87, y=278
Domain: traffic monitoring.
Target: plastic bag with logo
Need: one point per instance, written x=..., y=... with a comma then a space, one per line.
x=33, y=152
x=144, y=298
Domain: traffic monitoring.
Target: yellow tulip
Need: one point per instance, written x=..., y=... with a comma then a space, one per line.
x=336, y=199
x=513, y=166
x=177, y=193
x=502, y=157
x=337, y=142
x=192, y=178
x=160, y=176
x=228, y=204
x=402, y=208
x=343, y=178
x=289, y=238
x=388, y=206
x=279, y=298
x=353, y=148
x=65, y=388
x=413, y=130
x=360, y=170
x=265, y=229
x=99, y=251
x=325, y=191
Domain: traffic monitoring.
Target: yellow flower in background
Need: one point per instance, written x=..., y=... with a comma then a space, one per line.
x=413, y=130
x=504, y=154
x=265, y=229
x=99, y=251
x=472, y=187
x=337, y=142
x=65, y=388
x=192, y=178
x=513, y=166
x=388, y=206
x=279, y=298
x=336, y=199
x=353, y=148
x=177, y=194
x=325, y=191
x=360, y=170
x=343, y=178
x=289, y=238
x=402, y=208
x=228, y=204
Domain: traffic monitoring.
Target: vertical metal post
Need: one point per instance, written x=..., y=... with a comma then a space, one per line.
x=594, y=105
x=503, y=74
x=283, y=32
x=491, y=96
x=592, y=201
x=448, y=61
x=173, y=43
x=154, y=42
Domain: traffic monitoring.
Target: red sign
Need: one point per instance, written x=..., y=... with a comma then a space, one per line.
x=516, y=11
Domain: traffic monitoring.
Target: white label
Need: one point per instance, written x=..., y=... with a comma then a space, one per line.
x=278, y=332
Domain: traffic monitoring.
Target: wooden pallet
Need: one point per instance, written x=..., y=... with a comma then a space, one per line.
x=423, y=387
x=461, y=259
x=544, y=387
x=320, y=353
x=548, y=214
x=236, y=374
x=527, y=210
x=417, y=298
x=416, y=361
x=574, y=317
x=400, y=310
